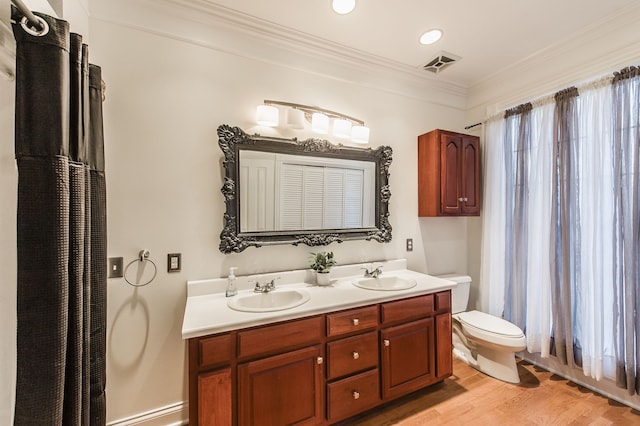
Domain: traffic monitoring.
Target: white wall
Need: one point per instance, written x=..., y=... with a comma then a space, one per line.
x=165, y=99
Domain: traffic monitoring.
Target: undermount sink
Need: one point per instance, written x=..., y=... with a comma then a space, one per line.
x=385, y=283
x=276, y=300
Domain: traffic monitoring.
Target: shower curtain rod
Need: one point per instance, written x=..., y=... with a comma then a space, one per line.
x=33, y=20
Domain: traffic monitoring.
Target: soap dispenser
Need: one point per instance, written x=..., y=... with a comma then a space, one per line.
x=231, y=283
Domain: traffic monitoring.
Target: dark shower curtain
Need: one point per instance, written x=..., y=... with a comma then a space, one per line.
x=61, y=217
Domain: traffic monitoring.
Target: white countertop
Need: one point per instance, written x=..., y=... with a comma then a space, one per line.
x=207, y=312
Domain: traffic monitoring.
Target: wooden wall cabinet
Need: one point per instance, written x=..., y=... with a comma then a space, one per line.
x=448, y=174
x=322, y=369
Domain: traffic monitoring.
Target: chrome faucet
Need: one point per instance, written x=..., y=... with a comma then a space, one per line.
x=374, y=273
x=266, y=287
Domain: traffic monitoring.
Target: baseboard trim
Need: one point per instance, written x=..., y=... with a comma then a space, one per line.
x=171, y=415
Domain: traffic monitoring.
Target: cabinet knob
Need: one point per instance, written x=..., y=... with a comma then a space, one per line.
x=356, y=321
x=319, y=360
x=356, y=355
x=356, y=395
x=386, y=342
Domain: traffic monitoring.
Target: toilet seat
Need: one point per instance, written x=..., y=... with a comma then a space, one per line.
x=492, y=329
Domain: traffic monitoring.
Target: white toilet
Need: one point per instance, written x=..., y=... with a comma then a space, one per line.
x=483, y=341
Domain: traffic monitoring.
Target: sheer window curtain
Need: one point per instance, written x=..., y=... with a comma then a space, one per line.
x=594, y=313
x=626, y=273
x=516, y=224
x=577, y=179
x=565, y=233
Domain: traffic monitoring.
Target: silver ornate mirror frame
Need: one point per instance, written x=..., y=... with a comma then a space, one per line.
x=232, y=139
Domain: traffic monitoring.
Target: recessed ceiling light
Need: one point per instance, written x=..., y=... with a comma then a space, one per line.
x=431, y=36
x=343, y=6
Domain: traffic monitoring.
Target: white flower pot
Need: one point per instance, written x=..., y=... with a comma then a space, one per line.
x=323, y=278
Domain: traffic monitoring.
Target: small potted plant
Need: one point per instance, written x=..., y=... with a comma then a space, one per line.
x=322, y=262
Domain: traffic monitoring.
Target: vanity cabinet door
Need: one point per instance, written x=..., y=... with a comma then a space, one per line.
x=283, y=389
x=214, y=398
x=408, y=358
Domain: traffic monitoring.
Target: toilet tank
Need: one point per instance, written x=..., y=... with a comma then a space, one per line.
x=460, y=293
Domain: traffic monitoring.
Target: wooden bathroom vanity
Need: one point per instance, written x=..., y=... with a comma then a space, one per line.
x=322, y=368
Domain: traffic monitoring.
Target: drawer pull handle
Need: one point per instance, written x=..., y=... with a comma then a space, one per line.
x=319, y=360
x=356, y=355
x=356, y=395
x=460, y=199
x=356, y=321
x=386, y=342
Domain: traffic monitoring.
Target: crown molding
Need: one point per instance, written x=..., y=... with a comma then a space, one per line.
x=218, y=28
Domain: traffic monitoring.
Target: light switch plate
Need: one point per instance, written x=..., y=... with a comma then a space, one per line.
x=114, y=267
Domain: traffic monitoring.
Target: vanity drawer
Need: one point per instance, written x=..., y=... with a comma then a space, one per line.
x=352, y=395
x=408, y=309
x=351, y=354
x=280, y=337
x=215, y=350
x=353, y=320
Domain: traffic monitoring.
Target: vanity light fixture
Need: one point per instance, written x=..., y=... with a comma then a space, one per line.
x=431, y=36
x=267, y=115
x=344, y=126
x=360, y=134
x=320, y=123
x=342, y=7
x=295, y=118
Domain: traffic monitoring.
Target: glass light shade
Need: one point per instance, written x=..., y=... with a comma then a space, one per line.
x=267, y=115
x=295, y=118
x=320, y=123
x=343, y=6
x=360, y=134
x=431, y=36
x=341, y=128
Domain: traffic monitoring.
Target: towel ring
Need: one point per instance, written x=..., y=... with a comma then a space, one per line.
x=143, y=256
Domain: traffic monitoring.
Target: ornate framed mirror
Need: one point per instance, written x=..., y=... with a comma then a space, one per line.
x=286, y=191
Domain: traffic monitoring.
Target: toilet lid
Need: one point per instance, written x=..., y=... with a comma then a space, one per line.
x=489, y=323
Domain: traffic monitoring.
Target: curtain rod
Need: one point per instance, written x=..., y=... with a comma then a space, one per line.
x=473, y=125
x=33, y=20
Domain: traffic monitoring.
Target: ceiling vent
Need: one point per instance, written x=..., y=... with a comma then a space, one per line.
x=440, y=62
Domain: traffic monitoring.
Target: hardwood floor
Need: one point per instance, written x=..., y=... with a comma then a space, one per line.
x=472, y=398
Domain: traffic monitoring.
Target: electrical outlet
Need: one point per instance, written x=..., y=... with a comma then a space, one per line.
x=174, y=262
x=409, y=244
x=114, y=267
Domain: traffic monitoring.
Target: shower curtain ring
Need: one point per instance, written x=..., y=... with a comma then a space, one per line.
x=32, y=29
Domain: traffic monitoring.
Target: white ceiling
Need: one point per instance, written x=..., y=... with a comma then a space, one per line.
x=489, y=35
